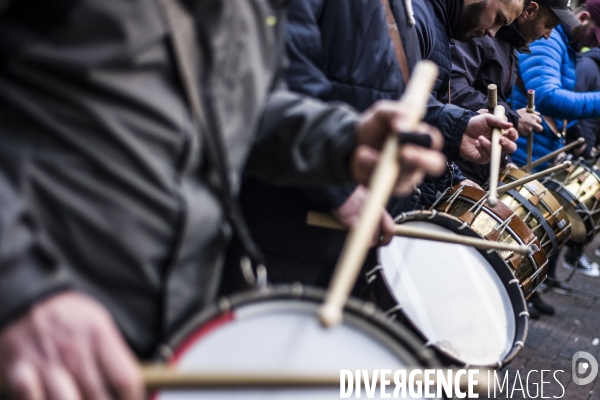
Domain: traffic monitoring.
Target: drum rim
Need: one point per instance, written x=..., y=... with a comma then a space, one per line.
x=516, y=295
x=366, y=312
x=533, y=258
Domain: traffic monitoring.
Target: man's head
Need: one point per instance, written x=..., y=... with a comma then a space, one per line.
x=485, y=17
x=537, y=21
x=588, y=33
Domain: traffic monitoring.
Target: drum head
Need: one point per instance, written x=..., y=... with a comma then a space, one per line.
x=278, y=332
x=455, y=297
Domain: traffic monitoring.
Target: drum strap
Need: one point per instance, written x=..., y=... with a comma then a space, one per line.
x=537, y=214
x=190, y=62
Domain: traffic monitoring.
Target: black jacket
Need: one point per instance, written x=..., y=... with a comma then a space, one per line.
x=588, y=80
x=439, y=19
x=478, y=63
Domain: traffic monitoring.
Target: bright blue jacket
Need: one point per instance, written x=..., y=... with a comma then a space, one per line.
x=550, y=71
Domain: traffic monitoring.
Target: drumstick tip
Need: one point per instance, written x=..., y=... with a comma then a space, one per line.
x=330, y=315
x=493, y=201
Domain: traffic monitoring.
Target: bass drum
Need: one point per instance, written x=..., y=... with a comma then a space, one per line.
x=539, y=209
x=464, y=302
x=276, y=330
x=499, y=224
x=577, y=188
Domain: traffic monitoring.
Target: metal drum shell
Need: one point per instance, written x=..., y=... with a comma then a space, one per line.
x=577, y=188
x=546, y=204
x=531, y=271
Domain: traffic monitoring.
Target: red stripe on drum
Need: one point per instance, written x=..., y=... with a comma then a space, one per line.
x=200, y=333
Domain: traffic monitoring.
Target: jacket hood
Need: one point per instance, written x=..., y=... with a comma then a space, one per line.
x=449, y=12
x=594, y=54
x=513, y=36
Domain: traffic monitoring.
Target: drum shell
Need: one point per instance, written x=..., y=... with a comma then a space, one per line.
x=532, y=270
x=577, y=188
x=556, y=230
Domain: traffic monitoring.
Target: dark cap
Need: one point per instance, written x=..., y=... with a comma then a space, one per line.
x=593, y=7
x=562, y=10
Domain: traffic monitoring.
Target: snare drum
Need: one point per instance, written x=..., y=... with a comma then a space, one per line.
x=539, y=209
x=500, y=224
x=577, y=188
x=466, y=303
x=276, y=330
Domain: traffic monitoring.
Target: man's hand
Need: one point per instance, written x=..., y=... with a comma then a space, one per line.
x=476, y=145
x=382, y=119
x=468, y=182
x=349, y=211
x=67, y=348
x=529, y=122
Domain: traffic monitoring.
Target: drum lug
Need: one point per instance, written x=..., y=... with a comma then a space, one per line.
x=493, y=236
x=515, y=261
x=468, y=217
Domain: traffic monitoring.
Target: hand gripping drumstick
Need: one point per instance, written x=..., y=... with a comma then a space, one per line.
x=380, y=188
x=555, y=153
x=495, y=161
x=505, y=188
x=531, y=110
x=323, y=220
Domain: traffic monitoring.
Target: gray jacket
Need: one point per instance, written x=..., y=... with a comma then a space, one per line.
x=107, y=175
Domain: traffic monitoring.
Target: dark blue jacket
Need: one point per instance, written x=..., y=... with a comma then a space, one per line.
x=588, y=80
x=550, y=71
x=339, y=50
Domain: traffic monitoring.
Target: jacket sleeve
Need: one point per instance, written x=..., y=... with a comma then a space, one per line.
x=28, y=270
x=452, y=121
x=305, y=75
x=541, y=70
x=467, y=60
x=303, y=141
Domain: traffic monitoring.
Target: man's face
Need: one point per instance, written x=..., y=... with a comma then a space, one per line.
x=585, y=34
x=485, y=17
x=537, y=22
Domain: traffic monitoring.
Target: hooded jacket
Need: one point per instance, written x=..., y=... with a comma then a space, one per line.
x=478, y=63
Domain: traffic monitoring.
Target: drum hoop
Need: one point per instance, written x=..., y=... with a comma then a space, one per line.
x=395, y=337
x=504, y=272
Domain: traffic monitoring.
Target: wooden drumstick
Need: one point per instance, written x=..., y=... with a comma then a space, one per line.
x=555, y=153
x=492, y=91
x=495, y=159
x=509, y=186
x=380, y=188
x=531, y=110
x=161, y=377
x=323, y=220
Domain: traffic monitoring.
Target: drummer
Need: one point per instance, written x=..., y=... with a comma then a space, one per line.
x=114, y=193
x=481, y=62
x=342, y=50
x=550, y=70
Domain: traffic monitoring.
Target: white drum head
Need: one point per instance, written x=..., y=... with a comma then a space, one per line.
x=283, y=336
x=452, y=295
